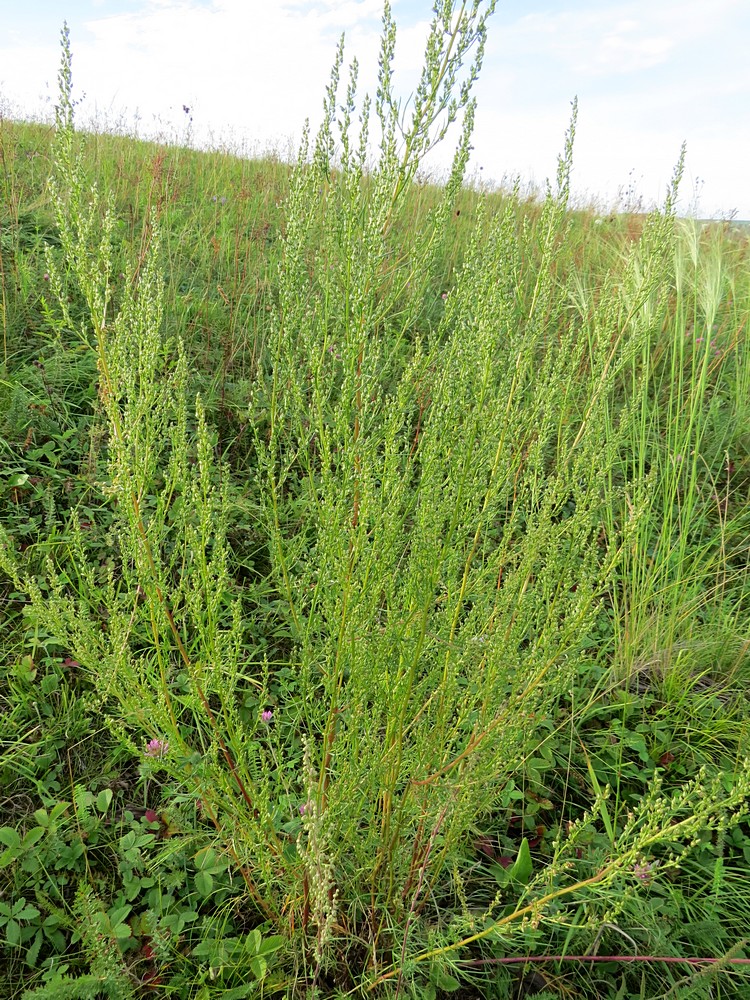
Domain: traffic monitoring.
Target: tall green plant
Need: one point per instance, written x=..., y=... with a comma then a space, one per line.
x=160, y=629
x=437, y=519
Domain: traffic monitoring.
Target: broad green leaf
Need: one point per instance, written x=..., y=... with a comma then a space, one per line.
x=49, y=684
x=522, y=867
x=443, y=980
x=501, y=875
x=118, y=913
x=271, y=944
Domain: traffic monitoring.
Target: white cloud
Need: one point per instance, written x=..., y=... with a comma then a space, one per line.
x=257, y=67
x=648, y=75
x=620, y=38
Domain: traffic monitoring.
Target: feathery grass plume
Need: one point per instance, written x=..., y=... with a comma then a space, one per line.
x=680, y=430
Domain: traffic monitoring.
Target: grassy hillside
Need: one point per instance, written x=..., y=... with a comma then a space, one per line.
x=373, y=575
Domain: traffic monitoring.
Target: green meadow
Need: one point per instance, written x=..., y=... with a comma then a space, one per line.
x=374, y=569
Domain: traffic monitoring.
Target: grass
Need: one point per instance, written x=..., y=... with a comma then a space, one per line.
x=375, y=571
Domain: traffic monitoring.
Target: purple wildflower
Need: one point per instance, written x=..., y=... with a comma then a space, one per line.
x=267, y=715
x=157, y=748
x=644, y=872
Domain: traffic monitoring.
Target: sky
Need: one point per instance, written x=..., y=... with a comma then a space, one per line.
x=648, y=75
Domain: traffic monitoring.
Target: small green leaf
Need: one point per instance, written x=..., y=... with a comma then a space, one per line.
x=49, y=684
x=253, y=942
x=84, y=799
x=127, y=841
x=205, y=858
x=240, y=992
x=446, y=983
x=32, y=952
x=258, y=966
x=9, y=837
x=103, y=800
x=57, y=811
x=13, y=933
x=36, y=833
x=204, y=883
x=42, y=818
